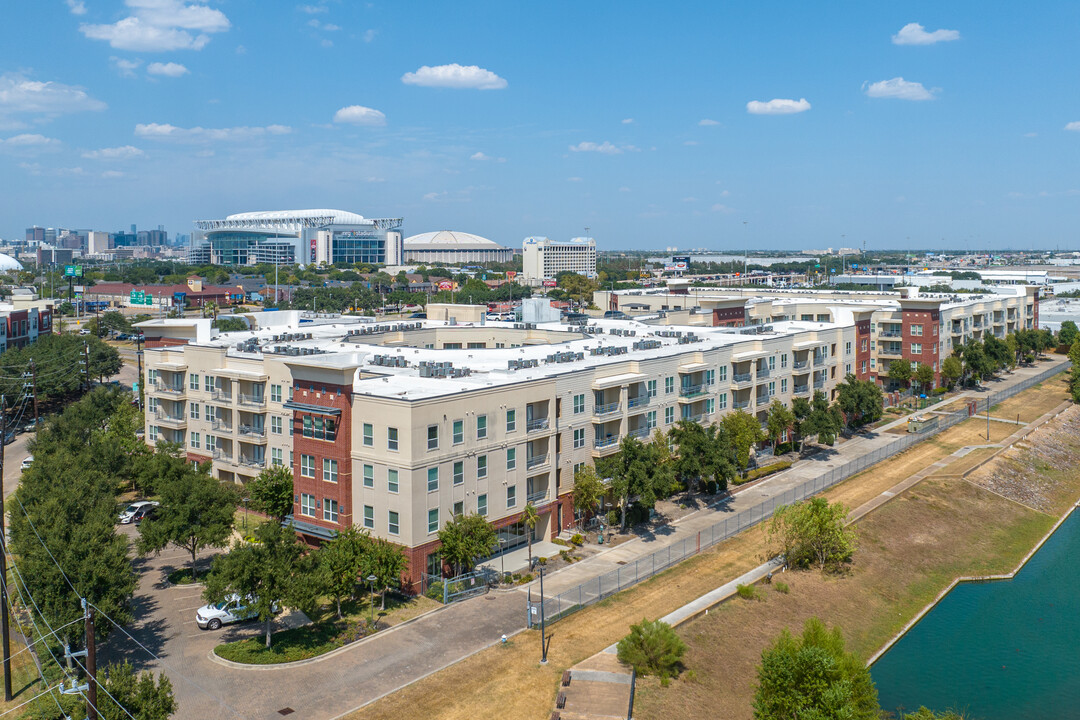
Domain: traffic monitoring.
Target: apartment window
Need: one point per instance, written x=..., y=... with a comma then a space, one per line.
x=193, y=382
x=369, y=476
x=153, y=433
x=307, y=466
x=307, y=504
x=151, y=402
x=511, y=421
x=847, y=348
x=579, y=438
x=772, y=388
x=481, y=505
x=710, y=377
x=209, y=411
x=369, y=435
x=275, y=425
x=433, y=521
x=459, y=472
x=291, y=463
x=330, y=510
x=650, y=422
x=392, y=481
x=916, y=330
x=369, y=517
x=208, y=383
x=459, y=508
x=433, y=479
x=433, y=437
x=864, y=367
x=783, y=361
x=275, y=453
x=275, y=393
x=669, y=415
x=481, y=427
x=579, y=404
x=723, y=401
x=873, y=363
x=195, y=440
x=916, y=348
x=329, y=470
x=847, y=369
x=392, y=523
x=772, y=362
x=578, y=467
x=511, y=496
x=710, y=406
x=650, y=387
x=151, y=376
x=511, y=458
x=863, y=345
x=783, y=385
x=481, y=466
x=391, y=438
x=319, y=428
x=194, y=410
x=669, y=385
x=459, y=433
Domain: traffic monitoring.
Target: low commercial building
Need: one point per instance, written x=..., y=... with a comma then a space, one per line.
x=399, y=426
x=544, y=259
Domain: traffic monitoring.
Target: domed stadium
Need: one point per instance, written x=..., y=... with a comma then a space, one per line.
x=454, y=247
x=9, y=263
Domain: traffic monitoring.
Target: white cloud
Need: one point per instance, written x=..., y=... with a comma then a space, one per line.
x=27, y=140
x=329, y=27
x=777, y=106
x=312, y=9
x=126, y=68
x=482, y=157
x=690, y=199
x=573, y=179
x=169, y=69
x=112, y=174
x=241, y=50
x=359, y=115
x=915, y=34
x=628, y=121
x=690, y=142
x=604, y=148
x=1031, y=134
x=160, y=26
x=164, y=131
x=459, y=77
x=77, y=7
x=369, y=35
x=900, y=89
x=19, y=94
x=706, y=122
x=722, y=208
x=1074, y=126
x=625, y=189
x=124, y=152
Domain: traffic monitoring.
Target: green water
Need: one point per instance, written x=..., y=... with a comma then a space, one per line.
x=1007, y=650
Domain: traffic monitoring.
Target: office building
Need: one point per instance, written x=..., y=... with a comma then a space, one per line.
x=544, y=259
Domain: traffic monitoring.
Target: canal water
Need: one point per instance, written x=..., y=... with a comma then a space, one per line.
x=1004, y=650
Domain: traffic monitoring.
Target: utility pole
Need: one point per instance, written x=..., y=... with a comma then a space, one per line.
x=139, y=381
x=91, y=664
x=86, y=365
x=33, y=389
x=5, y=637
x=543, y=629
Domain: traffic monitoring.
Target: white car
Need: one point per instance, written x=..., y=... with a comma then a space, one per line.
x=130, y=511
x=26, y=463
x=232, y=609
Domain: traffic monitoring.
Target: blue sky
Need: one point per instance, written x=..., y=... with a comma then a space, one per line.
x=713, y=124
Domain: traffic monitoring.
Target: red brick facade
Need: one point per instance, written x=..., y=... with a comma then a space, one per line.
x=930, y=320
x=339, y=398
x=729, y=317
x=862, y=349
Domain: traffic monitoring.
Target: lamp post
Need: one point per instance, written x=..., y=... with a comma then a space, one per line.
x=246, y=511
x=543, y=637
x=371, y=585
x=502, y=557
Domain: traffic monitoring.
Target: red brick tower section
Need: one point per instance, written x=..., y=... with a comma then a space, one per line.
x=862, y=344
x=730, y=312
x=322, y=445
x=922, y=330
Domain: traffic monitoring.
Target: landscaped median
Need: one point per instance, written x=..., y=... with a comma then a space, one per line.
x=326, y=632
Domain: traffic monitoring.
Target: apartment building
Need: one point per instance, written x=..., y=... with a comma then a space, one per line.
x=398, y=427
x=923, y=328
x=544, y=259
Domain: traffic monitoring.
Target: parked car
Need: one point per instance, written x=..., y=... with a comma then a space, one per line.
x=128, y=515
x=146, y=511
x=25, y=465
x=232, y=609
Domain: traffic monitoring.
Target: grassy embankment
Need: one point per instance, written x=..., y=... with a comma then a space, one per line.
x=507, y=681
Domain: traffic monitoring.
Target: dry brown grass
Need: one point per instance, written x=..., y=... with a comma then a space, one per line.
x=1035, y=401
x=909, y=550
x=962, y=464
x=25, y=681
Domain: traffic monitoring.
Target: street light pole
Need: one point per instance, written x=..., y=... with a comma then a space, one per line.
x=502, y=558
x=543, y=629
x=371, y=586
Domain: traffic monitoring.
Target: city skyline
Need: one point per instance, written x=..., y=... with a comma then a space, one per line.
x=714, y=127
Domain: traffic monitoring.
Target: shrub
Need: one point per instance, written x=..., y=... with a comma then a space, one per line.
x=354, y=631
x=758, y=473
x=652, y=648
x=746, y=592
x=613, y=518
x=940, y=391
x=781, y=587
x=578, y=539
x=435, y=591
x=560, y=541
x=565, y=555
x=524, y=579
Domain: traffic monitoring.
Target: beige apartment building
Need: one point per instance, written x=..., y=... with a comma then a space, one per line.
x=398, y=427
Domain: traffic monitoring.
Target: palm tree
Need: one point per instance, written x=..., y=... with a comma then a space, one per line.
x=530, y=517
x=212, y=308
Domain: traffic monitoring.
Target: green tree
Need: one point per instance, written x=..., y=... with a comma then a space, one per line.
x=744, y=431
x=802, y=409
x=196, y=513
x=588, y=490
x=900, y=372
x=339, y=563
x=823, y=421
x=387, y=562
x=977, y=366
x=135, y=693
x=812, y=532
x=924, y=376
x=927, y=714
x=1074, y=374
x=951, y=370
x=230, y=324
x=860, y=400
x=632, y=476
x=1069, y=333
x=464, y=539
x=652, y=648
x=273, y=571
x=780, y=420
x=530, y=517
x=272, y=491
x=813, y=676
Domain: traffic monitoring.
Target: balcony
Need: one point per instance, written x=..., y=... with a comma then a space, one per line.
x=163, y=418
x=762, y=372
x=696, y=417
x=819, y=360
x=739, y=378
x=740, y=404
x=894, y=351
x=606, y=409
x=221, y=396
x=536, y=497
x=801, y=364
x=537, y=425
x=890, y=334
x=221, y=426
x=802, y=389
x=254, y=462
x=689, y=391
x=640, y=433
x=636, y=402
x=252, y=400
x=222, y=456
x=169, y=388
x=536, y=461
x=606, y=442
x=258, y=431
x=818, y=384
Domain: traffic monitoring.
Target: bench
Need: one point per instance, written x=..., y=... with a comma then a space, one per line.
x=566, y=678
x=560, y=701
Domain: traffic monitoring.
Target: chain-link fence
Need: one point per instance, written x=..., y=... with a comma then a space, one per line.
x=609, y=583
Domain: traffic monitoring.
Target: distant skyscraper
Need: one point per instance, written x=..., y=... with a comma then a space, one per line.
x=35, y=234
x=133, y=230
